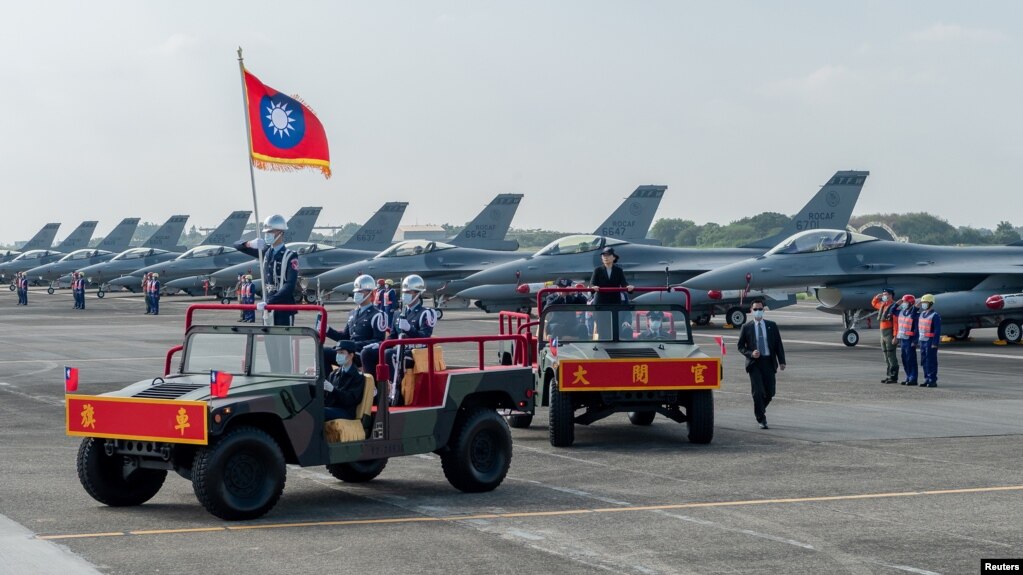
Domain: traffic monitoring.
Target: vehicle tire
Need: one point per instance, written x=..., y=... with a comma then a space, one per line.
x=357, y=471
x=241, y=476
x=850, y=337
x=101, y=294
x=49, y=290
x=102, y=477
x=561, y=422
x=643, y=418
x=225, y=300
x=1010, y=331
x=702, y=320
x=520, y=420
x=962, y=334
x=479, y=452
x=700, y=416
x=735, y=316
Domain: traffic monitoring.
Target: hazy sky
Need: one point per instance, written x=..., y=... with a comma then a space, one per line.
x=116, y=109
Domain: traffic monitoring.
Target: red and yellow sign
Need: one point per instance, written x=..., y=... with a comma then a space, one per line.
x=639, y=374
x=137, y=419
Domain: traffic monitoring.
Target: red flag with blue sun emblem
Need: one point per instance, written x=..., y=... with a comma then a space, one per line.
x=286, y=135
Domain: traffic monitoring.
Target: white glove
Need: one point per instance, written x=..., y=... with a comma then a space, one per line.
x=261, y=306
x=328, y=386
x=404, y=325
x=257, y=244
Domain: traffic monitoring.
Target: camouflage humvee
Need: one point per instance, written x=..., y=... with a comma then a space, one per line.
x=234, y=448
x=606, y=359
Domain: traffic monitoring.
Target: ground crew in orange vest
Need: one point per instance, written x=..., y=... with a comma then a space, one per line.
x=884, y=303
x=154, y=290
x=930, y=334
x=145, y=291
x=905, y=335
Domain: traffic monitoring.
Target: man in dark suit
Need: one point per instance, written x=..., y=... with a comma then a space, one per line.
x=760, y=342
x=608, y=275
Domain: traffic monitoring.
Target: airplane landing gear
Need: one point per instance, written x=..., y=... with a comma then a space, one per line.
x=100, y=293
x=850, y=318
x=50, y=290
x=1010, y=330
x=735, y=316
x=850, y=337
x=702, y=320
x=962, y=334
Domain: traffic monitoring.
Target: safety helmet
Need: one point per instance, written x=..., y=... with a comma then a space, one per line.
x=156, y=275
x=248, y=277
x=364, y=282
x=389, y=282
x=275, y=222
x=909, y=298
x=927, y=298
x=413, y=283
x=381, y=282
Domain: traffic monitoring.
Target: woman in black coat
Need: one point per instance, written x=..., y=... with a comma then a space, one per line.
x=609, y=275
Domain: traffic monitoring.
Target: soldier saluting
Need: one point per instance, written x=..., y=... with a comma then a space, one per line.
x=280, y=267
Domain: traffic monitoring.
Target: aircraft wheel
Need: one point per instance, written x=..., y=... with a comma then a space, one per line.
x=961, y=334
x=700, y=416
x=561, y=420
x=1010, y=330
x=735, y=316
x=241, y=476
x=49, y=290
x=103, y=477
x=479, y=452
x=101, y=294
x=12, y=287
x=357, y=471
x=702, y=320
x=310, y=298
x=225, y=300
x=642, y=417
x=850, y=337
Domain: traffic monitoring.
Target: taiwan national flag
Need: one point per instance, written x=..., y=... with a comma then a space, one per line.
x=554, y=347
x=220, y=382
x=70, y=379
x=721, y=344
x=286, y=135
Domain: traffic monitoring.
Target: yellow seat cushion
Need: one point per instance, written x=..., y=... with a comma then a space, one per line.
x=343, y=430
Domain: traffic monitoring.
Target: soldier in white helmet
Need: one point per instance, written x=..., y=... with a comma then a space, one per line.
x=413, y=321
x=366, y=324
x=280, y=267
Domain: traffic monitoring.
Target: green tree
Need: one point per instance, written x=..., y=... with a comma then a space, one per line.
x=923, y=228
x=1005, y=233
x=667, y=230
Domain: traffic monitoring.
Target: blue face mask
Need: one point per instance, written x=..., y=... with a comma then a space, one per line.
x=359, y=297
x=342, y=359
x=903, y=306
x=406, y=298
x=269, y=238
x=758, y=314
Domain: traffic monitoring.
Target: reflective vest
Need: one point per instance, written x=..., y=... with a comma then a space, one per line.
x=906, y=324
x=884, y=315
x=926, y=320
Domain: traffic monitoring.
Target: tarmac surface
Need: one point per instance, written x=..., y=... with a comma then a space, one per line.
x=852, y=477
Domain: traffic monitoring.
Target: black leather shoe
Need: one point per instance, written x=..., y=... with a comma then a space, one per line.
x=890, y=381
x=911, y=383
x=763, y=424
x=903, y=383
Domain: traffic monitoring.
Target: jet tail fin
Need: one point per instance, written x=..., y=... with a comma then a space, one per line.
x=488, y=229
x=167, y=236
x=120, y=237
x=79, y=238
x=300, y=226
x=378, y=231
x=830, y=207
x=229, y=231
x=631, y=221
x=43, y=239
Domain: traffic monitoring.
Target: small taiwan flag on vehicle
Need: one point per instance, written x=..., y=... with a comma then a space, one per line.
x=70, y=379
x=220, y=382
x=721, y=344
x=554, y=347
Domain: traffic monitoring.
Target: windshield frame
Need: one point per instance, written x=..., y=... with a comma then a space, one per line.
x=251, y=333
x=679, y=318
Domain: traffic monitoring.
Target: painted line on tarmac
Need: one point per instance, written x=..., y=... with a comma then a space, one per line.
x=942, y=351
x=529, y=514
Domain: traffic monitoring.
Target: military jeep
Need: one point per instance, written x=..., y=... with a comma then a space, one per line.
x=234, y=445
x=606, y=359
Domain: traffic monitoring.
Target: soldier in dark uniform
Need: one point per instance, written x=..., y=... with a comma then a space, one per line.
x=280, y=267
x=154, y=293
x=21, y=283
x=414, y=321
x=343, y=387
x=656, y=330
x=564, y=324
x=366, y=325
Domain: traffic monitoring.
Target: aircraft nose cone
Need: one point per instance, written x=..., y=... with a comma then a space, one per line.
x=125, y=281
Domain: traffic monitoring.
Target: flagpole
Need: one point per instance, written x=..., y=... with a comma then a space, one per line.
x=252, y=172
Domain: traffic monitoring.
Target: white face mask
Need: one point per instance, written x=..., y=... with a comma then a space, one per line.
x=758, y=314
x=925, y=306
x=359, y=297
x=885, y=298
x=269, y=238
x=904, y=306
x=406, y=298
x=655, y=325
